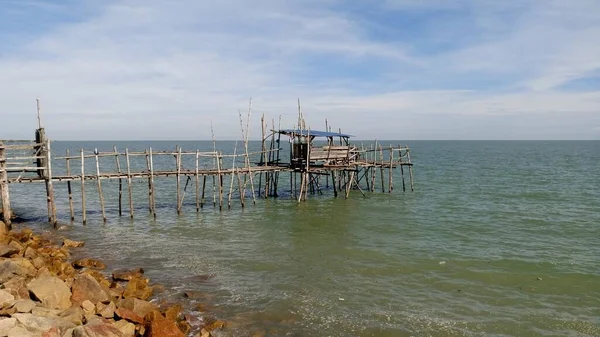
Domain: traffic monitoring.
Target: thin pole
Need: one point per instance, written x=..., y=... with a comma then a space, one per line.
x=118, y=162
x=197, y=182
x=410, y=171
x=390, y=184
x=49, y=186
x=69, y=187
x=4, y=192
x=83, y=210
x=129, y=185
x=219, y=163
x=215, y=163
x=152, y=194
x=203, y=189
x=381, y=168
x=100, y=187
x=178, y=175
x=232, y=175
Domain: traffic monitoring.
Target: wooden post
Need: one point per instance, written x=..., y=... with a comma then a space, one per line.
x=118, y=162
x=49, y=187
x=69, y=186
x=152, y=196
x=83, y=210
x=100, y=187
x=203, y=189
x=390, y=184
x=129, y=185
x=335, y=192
x=4, y=193
x=219, y=164
x=410, y=172
x=197, y=182
x=381, y=167
x=178, y=175
x=232, y=176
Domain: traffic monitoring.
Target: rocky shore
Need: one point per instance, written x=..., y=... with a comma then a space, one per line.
x=44, y=293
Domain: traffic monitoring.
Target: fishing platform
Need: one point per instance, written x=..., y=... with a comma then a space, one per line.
x=314, y=163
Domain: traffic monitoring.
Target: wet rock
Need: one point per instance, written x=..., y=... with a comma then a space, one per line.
x=174, y=312
x=6, y=324
x=85, y=287
x=24, y=305
x=126, y=328
x=51, y=291
x=16, y=267
x=138, y=288
x=129, y=315
x=214, y=325
x=74, y=315
x=8, y=250
x=72, y=244
x=6, y=299
x=42, y=324
x=158, y=288
x=159, y=326
x=106, y=310
x=140, y=307
x=89, y=263
x=116, y=291
x=127, y=275
x=184, y=327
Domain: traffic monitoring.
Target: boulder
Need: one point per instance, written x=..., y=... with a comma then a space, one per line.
x=6, y=299
x=89, y=263
x=99, y=277
x=97, y=329
x=6, y=324
x=174, y=312
x=20, y=330
x=86, y=287
x=45, y=312
x=8, y=250
x=72, y=244
x=52, y=332
x=51, y=291
x=74, y=315
x=17, y=287
x=24, y=305
x=159, y=326
x=42, y=324
x=126, y=328
x=138, y=288
x=140, y=307
x=16, y=267
x=88, y=307
x=129, y=315
x=106, y=310
x=127, y=275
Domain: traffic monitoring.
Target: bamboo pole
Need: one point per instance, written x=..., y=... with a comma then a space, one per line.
x=410, y=171
x=219, y=163
x=83, y=210
x=203, y=189
x=390, y=183
x=381, y=168
x=118, y=163
x=215, y=163
x=151, y=181
x=4, y=192
x=49, y=187
x=232, y=175
x=197, y=182
x=178, y=176
x=69, y=187
x=129, y=184
x=100, y=189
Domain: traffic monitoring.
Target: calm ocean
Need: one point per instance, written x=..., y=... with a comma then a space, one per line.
x=499, y=238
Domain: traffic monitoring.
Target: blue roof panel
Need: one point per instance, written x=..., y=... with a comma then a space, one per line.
x=313, y=133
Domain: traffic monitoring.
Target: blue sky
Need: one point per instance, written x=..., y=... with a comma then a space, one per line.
x=387, y=69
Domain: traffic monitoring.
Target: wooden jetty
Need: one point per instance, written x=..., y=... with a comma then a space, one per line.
x=314, y=163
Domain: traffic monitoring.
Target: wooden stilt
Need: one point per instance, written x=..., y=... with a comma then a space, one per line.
x=129, y=184
x=100, y=194
x=49, y=187
x=410, y=172
x=335, y=192
x=69, y=186
x=151, y=181
x=118, y=163
x=390, y=183
x=178, y=175
x=233, y=173
x=4, y=192
x=203, y=189
x=83, y=210
x=197, y=182
x=381, y=168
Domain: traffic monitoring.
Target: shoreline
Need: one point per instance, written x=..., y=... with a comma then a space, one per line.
x=45, y=292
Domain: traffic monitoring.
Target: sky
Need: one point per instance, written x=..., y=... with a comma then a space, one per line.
x=377, y=69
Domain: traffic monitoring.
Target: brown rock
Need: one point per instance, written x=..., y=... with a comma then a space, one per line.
x=8, y=250
x=24, y=305
x=16, y=267
x=106, y=310
x=99, y=277
x=89, y=263
x=85, y=287
x=127, y=275
x=138, y=288
x=184, y=327
x=31, y=253
x=89, y=309
x=52, y=332
x=126, y=328
x=129, y=315
x=6, y=299
x=39, y=261
x=214, y=325
x=140, y=307
x=97, y=329
x=17, y=287
x=158, y=288
x=6, y=324
x=51, y=291
x=158, y=326
x=74, y=315
x=173, y=312
x=45, y=312
x=116, y=291
x=42, y=324
x=72, y=244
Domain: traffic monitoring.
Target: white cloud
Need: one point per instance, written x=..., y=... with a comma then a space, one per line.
x=154, y=69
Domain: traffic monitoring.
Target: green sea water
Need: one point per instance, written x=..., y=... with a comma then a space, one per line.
x=498, y=239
